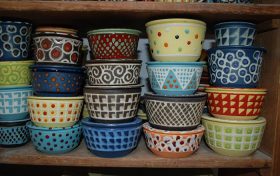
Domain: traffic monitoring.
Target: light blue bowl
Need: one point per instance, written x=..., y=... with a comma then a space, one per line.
x=174, y=78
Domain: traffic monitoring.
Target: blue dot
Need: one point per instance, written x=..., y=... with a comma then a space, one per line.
x=219, y=54
x=226, y=70
x=230, y=58
x=233, y=77
x=240, y=54
x=243, y=72
x=221, y=62
x=219, y=74
x=245, y=62
x=253, y=68
x=247, y=78
x=224, y=80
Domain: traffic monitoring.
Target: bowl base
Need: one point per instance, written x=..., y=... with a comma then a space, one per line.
x=172, y=154
x=115, y=154
x=232, y=153
x=13, y=117
x=174, y=93
x=56, y=152
x=13, y=145
x=112, y=121
x=173, y=128
x=54, y=125
x=229, y=117
x=176, y=58
x=48, y=94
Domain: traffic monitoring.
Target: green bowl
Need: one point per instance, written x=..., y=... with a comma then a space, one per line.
x=232, y=137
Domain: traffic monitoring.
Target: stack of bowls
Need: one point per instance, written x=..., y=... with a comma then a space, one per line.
x=58, y=81
x=15, y=80
x=233, y=100
x=174, y=111
x=113, y=94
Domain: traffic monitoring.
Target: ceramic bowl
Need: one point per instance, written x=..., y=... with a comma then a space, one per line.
x=13, y=102
x=176, y=40
x=15, y=73
x=111, y=140
x=234, y=1
x=55, y=140
x=174, y=113
x=55, y=111
x=57, y=81
x=14, y=40
x=235, y=66
x=174, y=78
x=172, y=144
x=113, y=72
x=233, y=138
x=14, y=133
x=234, y=103
x=114, y=43
x=112, y=104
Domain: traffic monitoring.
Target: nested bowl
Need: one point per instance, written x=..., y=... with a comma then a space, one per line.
x=234, y=103
x=175, y=113
x=234, y=1
x=111, y=140
x=172, y=144
x=55, y=111
x=113, y=43
x=232, y=137
x=174, y=78
x=102, y=72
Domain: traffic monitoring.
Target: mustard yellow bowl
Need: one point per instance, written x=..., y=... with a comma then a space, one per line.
x=176, y=40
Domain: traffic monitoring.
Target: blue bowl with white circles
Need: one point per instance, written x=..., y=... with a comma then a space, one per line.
x=235, y=66
x=14, y=40
x=13, y=102
x=55, y=140
x=111, y=140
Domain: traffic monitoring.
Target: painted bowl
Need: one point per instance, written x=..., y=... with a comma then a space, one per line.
x=113, y=72
x=13, y=102
x=112, y=104
x=113, y=43
x=176, y=40
x=14, y=133
x=111, y=140
x=235, y=66
x=174, y=113
x=233, y=138
x=55, y=111
x=55, y=140
x=234, y=1
x=15, y=73
x=234, y=103
x=172, y=144
x=14, y=40
x=174, y=78
x=57, y=81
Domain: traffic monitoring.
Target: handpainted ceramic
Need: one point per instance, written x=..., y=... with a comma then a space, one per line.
x=174, y=78
x=234, y=1
x=172, y=144
x=174, y=113
x=235, y=33
x=111, y=140
x=112, y=104
x=233, y=138
x=55, y=140
x=14, y=133
x=14, y=40
x=114, y=43
x=235, y=66
x=234, y=103
x=14, y=73
x=176, y=40
x=57, y=81
x=113, y=72
x=13, y=102
x=55, y=111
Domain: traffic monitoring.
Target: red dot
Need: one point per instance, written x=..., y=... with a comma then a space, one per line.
x=165, y=45
x=189, y=42
x=171, y=85
x=176, y=86
x=74, y=57
x=67, y=47
x=159, y=34
x=45, y=113
x=164, y=87
x=53, y=119
x=53, y=105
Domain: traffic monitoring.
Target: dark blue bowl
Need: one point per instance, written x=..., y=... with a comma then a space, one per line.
x=58, y=81
x=111, y=140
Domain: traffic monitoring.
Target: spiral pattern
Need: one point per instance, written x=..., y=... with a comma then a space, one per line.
x=15, y=74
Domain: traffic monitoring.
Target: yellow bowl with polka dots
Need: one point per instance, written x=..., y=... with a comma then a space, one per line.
x=55, y=111
x=176, y=40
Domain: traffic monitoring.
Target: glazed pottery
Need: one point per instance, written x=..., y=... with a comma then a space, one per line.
x=111, y=140
x=172, y=144
x=114, y=43
x=55, y=140
x=14, y=40
x=15, y=73
x=233, y=138
x=13, y=102
x=234, y=1
x=174, y=78
x=236, y=33
x=174, y=113
x=234, y=103
x=113, y=72
x=176, y=40
x=14, y=133
x=235, y=66
x=112, y=104
x=57, y=81
x=55, y=111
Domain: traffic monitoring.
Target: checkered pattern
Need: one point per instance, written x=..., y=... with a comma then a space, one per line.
x=14, y=135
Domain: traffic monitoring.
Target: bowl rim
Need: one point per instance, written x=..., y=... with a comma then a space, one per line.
x=11, y=123
x=113, y=61
x=57, y=68
x=108, y=87
x=166, y=98
x=56, y=29
x=55, y=98
x=136, y=122
x=14, y=87
x=236, y=47
x=175, y=20
x=259, y=120
x=236, y=90
x=31, y=125
x=16, y=21
x=54, y=34
x=114, y=31
x=235, y=23
x=159, y=63
x=23, y=62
